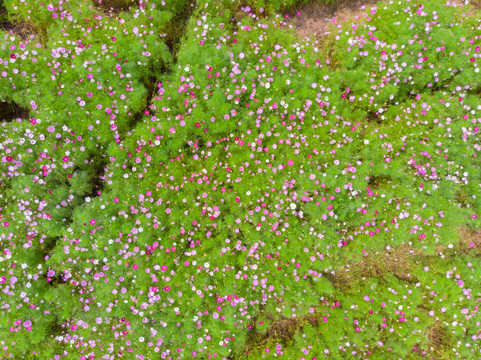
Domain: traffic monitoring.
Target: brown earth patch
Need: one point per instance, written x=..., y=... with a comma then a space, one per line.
x=10, y=111
x=284, y=328
x=23, y=30
x=476, y=4
x=470, y=241
x=437, y=337
x=395, y=261
x=315, y=18
x=281, y=330
x=115, y=7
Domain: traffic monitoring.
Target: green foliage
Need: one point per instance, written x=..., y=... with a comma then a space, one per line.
x=181, y=181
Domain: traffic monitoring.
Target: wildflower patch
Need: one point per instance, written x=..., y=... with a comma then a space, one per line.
x=196, y=180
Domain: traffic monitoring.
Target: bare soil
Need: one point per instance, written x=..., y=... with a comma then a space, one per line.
x=115, y=7
x=315, y=18
x=23, y=30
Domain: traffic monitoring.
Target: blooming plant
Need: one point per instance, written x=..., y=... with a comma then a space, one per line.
x=197, y=181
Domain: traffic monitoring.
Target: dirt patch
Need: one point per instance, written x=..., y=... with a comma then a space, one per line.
x=376, y=181
x=115, y=7
x=470, y=241
x=396, y=262
x=281, y=330
x=437, y=337
x=10, y=111
x=476, y=4
x=23, y=30
x=315, y=18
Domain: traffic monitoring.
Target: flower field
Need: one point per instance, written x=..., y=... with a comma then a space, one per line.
x=207, y=180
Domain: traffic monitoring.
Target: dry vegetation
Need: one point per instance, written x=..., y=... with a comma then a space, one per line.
x=315, y=18
x=395, y=262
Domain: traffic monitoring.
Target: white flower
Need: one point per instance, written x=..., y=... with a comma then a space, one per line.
x=206, y=265
x=293, y=206
x=366, y=142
